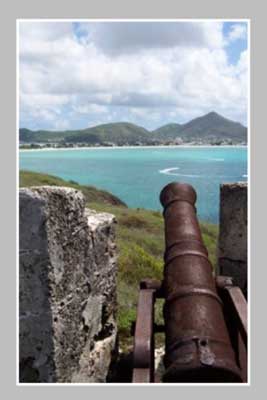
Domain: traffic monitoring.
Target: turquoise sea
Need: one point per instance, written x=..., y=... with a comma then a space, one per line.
x=137, y=175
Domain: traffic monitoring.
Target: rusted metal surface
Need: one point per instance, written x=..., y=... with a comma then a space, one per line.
x=235, y=310
x=242, y=356
x=153, y=284
x=223, y=281
x=144, y=339
x=198, y=346
x=141, y=375
x=239, y=309
x=235, y=306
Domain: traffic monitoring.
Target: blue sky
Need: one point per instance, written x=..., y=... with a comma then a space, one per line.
x=81, y=74
x=235, y=47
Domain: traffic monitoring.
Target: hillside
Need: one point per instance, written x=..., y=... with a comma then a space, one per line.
x=205, y=129
x=214, y=125
x=43, y=136
x=211, y=126
x=119, y=133
x=140, y=241
x=169, y=131
x=92, y=194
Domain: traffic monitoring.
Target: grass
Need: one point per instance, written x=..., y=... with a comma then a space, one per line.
x=92, y=194
x=140, y=242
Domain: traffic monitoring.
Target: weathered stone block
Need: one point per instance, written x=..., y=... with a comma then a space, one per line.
x=67, y=292
x=232, y=249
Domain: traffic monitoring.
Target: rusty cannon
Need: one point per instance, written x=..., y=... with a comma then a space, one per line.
x=205, y=317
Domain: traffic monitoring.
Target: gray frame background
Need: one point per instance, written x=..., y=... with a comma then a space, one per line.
x=11, y=10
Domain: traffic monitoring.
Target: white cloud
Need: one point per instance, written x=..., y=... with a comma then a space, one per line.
x=61, y=124
x=238, y=31
x=29, y=30
x=123, y=37
x=182, y=73
x=90, y=109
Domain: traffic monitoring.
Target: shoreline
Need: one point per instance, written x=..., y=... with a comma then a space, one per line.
x=134, y=147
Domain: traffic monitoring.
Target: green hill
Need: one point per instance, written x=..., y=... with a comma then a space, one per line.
x=215, y=126
x=169, y=131
x=119, y=132
x=140, y=241
x=211, y=126
x=207, y=128
x=43, y=136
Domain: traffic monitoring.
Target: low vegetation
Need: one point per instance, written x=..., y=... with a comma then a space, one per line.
x=140, y=241
x=92, y=194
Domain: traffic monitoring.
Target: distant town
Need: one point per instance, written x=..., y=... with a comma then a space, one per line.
x=177, y=142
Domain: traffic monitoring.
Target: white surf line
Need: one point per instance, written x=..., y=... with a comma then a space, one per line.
x=169, y=171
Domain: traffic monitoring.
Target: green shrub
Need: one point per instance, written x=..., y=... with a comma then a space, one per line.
x=133, y=221
x=135, y=264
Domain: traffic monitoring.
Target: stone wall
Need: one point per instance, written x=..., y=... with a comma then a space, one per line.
x=232, y=249
x=67, y=288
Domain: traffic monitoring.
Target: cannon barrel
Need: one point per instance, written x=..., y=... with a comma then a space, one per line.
x=198, y=346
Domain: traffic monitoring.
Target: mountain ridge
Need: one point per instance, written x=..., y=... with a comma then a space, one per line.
x=210, y=127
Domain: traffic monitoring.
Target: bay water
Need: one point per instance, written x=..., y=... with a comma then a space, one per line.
x=137, y=175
